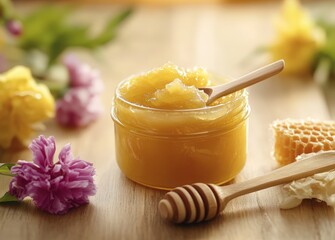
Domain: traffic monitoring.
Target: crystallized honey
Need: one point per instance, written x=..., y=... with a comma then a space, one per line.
x=294, y=137
x=166, y=136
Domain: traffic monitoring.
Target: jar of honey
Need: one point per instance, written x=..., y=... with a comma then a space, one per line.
x=165, y=148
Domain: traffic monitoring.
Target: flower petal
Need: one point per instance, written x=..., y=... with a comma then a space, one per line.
x=43, y=150
x=65, y=154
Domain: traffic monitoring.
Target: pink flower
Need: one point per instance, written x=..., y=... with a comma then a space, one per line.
x=78, y=108
x=14, y=27
x=54, y=187
x=82, y=75
x=81, y=104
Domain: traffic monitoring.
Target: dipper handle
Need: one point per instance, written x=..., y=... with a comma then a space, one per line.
x=201, y=202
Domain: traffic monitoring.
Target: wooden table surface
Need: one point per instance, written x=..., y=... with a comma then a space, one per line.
x=221, y=38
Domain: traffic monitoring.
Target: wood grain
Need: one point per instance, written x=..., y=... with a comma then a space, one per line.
x=221, y=38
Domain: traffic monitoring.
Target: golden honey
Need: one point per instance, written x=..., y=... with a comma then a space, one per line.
x=166, y=147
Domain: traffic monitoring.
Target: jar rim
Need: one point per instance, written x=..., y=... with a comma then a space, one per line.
x=241, y=93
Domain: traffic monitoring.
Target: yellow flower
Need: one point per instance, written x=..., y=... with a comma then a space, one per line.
x=23, y=104
x=298, y=38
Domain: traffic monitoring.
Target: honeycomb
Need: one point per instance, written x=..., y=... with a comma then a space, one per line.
x=294, y=137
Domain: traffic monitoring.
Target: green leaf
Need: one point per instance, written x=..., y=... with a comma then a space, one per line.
x=327, y=52
x=6, y=9
x=5, y=169
x=7, y=197
x=42, y=26
x=50, y=30
x=110, y=30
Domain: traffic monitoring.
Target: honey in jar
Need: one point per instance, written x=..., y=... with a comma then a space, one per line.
x=166, y=136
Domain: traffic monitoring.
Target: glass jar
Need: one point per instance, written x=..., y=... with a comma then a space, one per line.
x=168, y=148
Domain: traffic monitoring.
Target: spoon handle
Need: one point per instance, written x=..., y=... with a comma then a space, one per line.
x=246, y=80
x=311, y=165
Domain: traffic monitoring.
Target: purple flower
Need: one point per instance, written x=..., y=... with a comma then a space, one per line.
x=78, y=108
x=14, y=27
x=81, y=104
x=54, y=187
x=82, y=75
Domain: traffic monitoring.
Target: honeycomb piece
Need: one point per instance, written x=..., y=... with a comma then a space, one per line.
x=295, y=137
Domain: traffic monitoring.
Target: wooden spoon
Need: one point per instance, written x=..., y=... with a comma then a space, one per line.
x=256, y=76
x=201, y=202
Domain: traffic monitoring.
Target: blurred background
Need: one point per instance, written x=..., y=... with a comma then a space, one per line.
x=81, y=50
x=72, y=55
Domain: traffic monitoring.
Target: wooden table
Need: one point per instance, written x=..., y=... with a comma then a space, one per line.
x=222, y=38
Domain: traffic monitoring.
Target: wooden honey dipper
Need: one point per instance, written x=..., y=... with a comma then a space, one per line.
x=201, y=202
